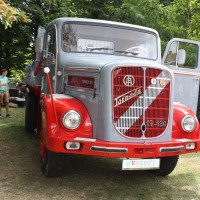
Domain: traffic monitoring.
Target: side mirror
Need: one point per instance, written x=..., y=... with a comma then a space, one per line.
x=39, y=40
x=39, y=45
x=181, y=57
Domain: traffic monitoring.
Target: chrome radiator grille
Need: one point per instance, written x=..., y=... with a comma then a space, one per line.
x=141, y=98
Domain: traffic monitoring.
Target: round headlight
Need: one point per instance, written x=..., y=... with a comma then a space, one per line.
x=71, y=119
x=188, y=123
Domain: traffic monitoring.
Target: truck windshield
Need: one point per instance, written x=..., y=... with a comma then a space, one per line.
x=109, y=40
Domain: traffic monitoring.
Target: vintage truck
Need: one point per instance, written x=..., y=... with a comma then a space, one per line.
x=100, y=88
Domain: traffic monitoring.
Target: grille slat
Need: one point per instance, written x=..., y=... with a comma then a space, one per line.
x=130, y=107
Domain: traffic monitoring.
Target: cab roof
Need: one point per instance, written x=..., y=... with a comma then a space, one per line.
x=60, y=21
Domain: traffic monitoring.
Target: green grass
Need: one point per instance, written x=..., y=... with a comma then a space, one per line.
x=85, y=177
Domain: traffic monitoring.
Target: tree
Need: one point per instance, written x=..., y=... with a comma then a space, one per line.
x=171, y=18
x=185, y=18
x=178, y=18
x=97, y=9
x=60, y=8
x=9, y=15
x=16, y=43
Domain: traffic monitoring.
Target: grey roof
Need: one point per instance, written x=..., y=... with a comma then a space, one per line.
x=60, y=21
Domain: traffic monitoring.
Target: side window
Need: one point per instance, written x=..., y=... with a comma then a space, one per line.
x=51, y=41
x=49, y=55
x=183, y=55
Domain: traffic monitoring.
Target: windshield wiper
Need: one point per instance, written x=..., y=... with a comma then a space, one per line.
x=128, y=52
x=97, y=48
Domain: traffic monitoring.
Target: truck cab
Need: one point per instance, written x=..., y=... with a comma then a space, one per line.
x=100, y=88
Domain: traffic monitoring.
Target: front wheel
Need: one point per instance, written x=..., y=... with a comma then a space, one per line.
x=167, y=165
x=52, y=164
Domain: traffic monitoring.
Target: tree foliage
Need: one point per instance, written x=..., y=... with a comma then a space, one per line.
x=9, y=15
x=178, y=18
x=185, y=18
x=171, y=18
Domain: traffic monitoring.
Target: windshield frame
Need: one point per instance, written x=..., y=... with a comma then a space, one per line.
x=112, y=26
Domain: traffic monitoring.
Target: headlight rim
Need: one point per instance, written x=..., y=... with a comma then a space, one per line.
x=68, y=112
x=182, y=123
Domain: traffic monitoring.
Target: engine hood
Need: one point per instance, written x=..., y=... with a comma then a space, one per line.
x=99, y=101
x=98, y=61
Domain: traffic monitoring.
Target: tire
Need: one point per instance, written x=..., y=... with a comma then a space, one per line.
x=31, y=114
x=167, y=165
x=52, y=164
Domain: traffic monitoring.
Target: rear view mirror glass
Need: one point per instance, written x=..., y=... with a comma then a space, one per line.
x=181, y=56
x=39, y=45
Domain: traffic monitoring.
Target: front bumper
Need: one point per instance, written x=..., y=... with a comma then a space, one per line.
x=124, y=150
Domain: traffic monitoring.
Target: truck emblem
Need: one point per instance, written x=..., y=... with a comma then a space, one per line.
x=153, y=81
x=129, y=80
x=127, y=96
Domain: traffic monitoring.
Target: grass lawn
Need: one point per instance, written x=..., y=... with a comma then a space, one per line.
x=85, y=177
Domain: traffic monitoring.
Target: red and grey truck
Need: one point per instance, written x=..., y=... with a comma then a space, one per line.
x=101, y=88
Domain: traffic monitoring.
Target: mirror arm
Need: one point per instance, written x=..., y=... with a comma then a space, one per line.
x=49, y=55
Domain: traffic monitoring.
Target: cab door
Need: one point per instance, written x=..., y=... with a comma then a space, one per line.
x=183, y=58
x=50, y=55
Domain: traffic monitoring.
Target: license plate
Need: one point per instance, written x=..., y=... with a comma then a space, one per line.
x=140, y=164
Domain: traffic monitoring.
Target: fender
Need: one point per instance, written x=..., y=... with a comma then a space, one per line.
x=49, y=126
x=180, y=111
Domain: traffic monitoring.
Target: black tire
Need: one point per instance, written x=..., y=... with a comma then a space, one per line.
x=52, y=164
x=31, y=114
x=167, y=165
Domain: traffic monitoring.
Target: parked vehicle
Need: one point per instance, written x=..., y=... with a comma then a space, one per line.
x=17, y=93
x=100, y=88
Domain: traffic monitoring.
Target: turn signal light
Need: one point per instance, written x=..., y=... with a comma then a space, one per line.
x=190, y=146
x=72, y=145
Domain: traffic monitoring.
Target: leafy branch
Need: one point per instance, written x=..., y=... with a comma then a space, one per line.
x=9, y=15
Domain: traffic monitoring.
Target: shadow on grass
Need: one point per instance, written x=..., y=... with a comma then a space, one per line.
x=84, y=178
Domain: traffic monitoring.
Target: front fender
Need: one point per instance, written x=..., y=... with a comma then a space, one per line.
x=63, y=104
x=180, y=111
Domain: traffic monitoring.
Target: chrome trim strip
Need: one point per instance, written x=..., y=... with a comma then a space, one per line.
x=82, y=69
x=186, y=73
x=109, y=149
x=62, y=96
x=171, y=149
x=184, y=140
x=84, y=139
x=143, y=127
